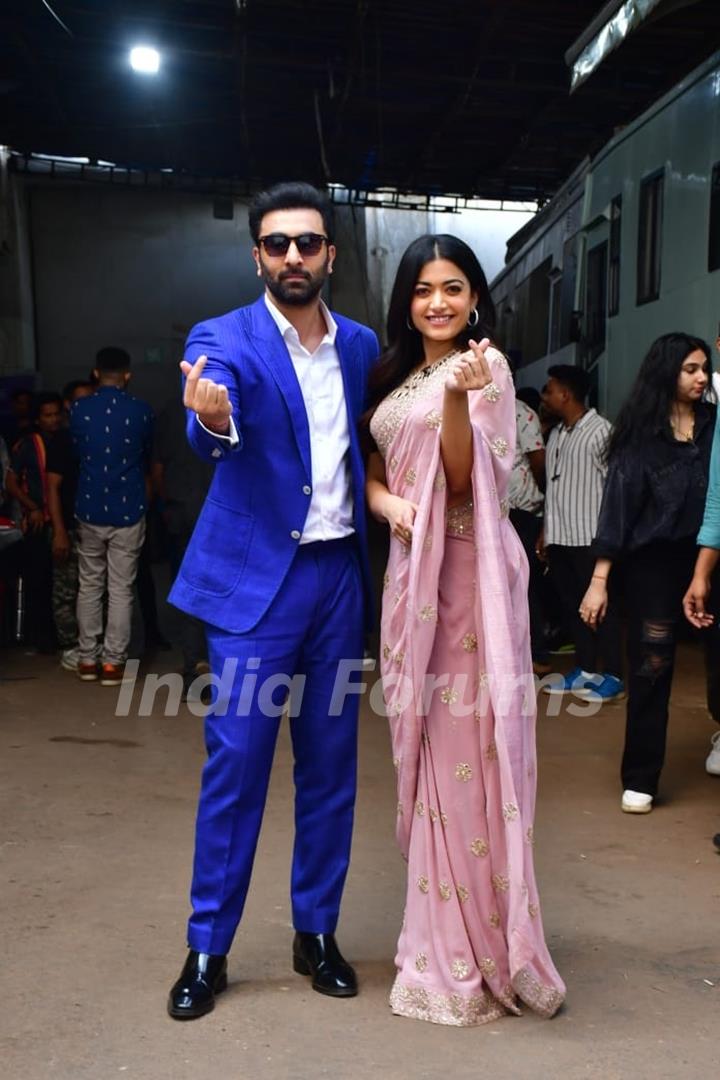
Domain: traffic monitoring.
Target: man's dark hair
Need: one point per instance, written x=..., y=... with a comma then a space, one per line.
x=291, y=196
x=21, y=391
x=529, y=396
x=70, y=388
x=46, y=398
x=572, y=378
x=112, y=359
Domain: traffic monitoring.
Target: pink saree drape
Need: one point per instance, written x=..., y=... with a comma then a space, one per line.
x=457, y=680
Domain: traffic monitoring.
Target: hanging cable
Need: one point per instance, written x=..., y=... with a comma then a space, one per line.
x=57, y=18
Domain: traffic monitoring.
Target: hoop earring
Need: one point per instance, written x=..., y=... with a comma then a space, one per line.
x=409, y=324
x=476, y=320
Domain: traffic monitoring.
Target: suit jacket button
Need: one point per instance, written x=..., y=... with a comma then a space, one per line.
x=295, y=534
x=307, y=490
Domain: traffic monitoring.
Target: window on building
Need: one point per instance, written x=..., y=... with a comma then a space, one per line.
x=614, y=256
x=596, y=300
x=649, y=256
x=714, y=226
x=555, y=276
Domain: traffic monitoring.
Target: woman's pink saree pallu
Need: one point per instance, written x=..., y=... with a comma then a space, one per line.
x=457, y=678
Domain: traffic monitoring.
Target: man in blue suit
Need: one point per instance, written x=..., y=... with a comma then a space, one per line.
x=277, y=569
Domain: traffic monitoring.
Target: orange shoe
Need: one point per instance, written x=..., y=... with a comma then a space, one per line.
x=88, y=670
x=112, y=674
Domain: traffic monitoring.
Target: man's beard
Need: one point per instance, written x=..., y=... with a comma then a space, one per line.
x=294, y=293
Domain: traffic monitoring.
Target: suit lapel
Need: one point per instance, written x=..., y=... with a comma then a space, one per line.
x=268, y=343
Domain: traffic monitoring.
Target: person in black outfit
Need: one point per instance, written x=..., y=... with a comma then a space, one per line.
x=652, y=508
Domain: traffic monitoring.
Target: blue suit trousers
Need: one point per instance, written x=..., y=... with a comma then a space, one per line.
x=314, y=622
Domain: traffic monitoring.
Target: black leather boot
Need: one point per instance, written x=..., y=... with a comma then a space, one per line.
x=318, y=955
x=200, y=980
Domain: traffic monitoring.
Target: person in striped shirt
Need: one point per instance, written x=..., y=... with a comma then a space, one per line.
x=576, y=470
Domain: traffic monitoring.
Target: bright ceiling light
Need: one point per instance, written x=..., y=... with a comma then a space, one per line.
x=145, y=59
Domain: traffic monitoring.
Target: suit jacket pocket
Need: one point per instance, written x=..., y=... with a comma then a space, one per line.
x=218, y=550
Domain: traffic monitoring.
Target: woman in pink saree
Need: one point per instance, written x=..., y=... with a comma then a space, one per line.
x=455, y=661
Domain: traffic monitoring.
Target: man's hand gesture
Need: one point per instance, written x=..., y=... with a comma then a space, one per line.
x=208, y=399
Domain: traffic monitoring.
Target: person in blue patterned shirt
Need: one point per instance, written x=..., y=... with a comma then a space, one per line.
x=112, y=432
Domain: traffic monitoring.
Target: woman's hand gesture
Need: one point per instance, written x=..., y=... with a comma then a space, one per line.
x=471, y=370
x=400, y=516
x=594, y=604
x=694, y=602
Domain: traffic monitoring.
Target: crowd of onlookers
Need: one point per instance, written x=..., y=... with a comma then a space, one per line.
x=91, y=482
x=612, y=519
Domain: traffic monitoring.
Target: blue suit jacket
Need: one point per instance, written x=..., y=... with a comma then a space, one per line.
x=242, y=546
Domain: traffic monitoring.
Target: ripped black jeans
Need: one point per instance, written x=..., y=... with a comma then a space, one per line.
x=656, y=579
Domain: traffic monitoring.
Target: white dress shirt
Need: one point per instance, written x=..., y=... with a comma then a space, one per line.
x=330, y=515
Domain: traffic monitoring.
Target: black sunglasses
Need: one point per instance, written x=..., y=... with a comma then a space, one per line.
x=307, y=243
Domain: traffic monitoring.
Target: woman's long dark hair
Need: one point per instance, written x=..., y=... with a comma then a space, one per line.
x=405, y=348
x=647, y=408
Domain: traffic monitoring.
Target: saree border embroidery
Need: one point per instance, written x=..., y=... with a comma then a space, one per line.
x=458, y=1010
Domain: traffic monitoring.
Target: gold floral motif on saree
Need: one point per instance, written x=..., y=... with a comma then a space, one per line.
x=491, y=392
x=479, y=847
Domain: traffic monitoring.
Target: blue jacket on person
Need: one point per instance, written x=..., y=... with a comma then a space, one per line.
x=249, y=528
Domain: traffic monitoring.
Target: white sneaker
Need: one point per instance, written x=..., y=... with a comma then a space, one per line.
x=69, y=659
x=636, y=802
x=712, y=762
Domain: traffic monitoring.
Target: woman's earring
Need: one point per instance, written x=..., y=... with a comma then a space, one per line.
x=408, y=323
x=476, y=320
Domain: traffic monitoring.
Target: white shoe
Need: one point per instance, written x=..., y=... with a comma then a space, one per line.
x=712, y=762
x=69, y=659
x=636, y=802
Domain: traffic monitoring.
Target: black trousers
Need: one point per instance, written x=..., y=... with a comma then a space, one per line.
x=598, y=651
x=528, y=527
x=656, y=580
x=37, y=571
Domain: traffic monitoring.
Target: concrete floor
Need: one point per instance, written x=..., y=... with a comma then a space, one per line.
x=96, y=841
